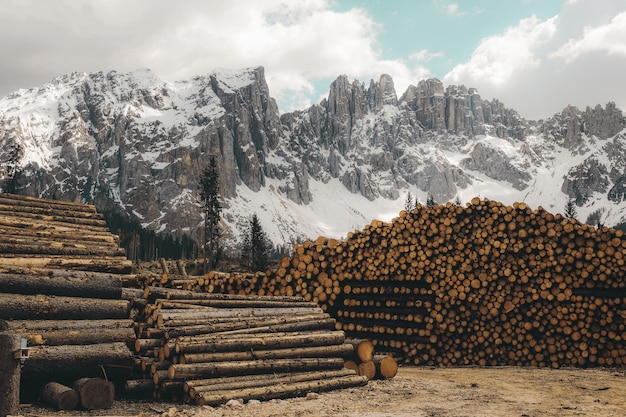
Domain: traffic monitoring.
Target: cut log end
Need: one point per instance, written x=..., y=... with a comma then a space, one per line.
x=95, y=393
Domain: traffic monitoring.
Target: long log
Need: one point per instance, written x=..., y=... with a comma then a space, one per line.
x=73, y=361
x=54, y=247
x=59, y=396
x=320, y=320
x=116, y=265
x=195, y=387
x=152, y=293
x=298, y=352
x=17, y=306
x=198, y=370
x=78, y=336
x=67, y=325
x=280, y=390
x=95, y=286
x=10, y=373
x=257, y=341
x=26, y=201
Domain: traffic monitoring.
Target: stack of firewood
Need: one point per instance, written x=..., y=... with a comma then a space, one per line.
x=210, y=348
x=484, y=284
x=61, y=289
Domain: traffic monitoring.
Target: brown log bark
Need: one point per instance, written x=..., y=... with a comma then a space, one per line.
x=198, y=370
x=87, y=285
x=95, y=393
x=67, y=325
x=258, y=341
x=17, y=306
x=72, y=361
x=280, y=390
x=262, y=324
x=139, y=387
x=10, y=373
x=116, y=265
x=78, y=336
x=298, y=352
x=59, y=396
x=195, y=387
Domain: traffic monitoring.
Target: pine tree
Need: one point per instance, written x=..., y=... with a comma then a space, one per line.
x=408, y=202
x=209, y=193
x=255, y=249
x=430, y=202
x=570, y=209
x=12, y=168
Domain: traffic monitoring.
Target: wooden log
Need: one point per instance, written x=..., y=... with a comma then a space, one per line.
x=78, y=336
x=115, y=265
x=139, y=387
x=18, y=200
x=67, y=325
x=71, y=361
x=59, y=396
x=258, y=341
x=95, y=393
x=195, y=387
x=280, y=390
x=367, y=369
x=84, y=285
x=198, y=370
x=363, y=349
x=153, y=293
x=10, y=373
x=298, y=352
x=217, y=326
x=17, y=306
x=386, y=366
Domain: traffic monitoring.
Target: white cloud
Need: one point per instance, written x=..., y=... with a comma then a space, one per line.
x=296, y=42
x=538, y=67
x=498, y=58
x=610, y=38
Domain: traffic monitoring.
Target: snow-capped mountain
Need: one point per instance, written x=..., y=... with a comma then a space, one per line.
x=138, y=145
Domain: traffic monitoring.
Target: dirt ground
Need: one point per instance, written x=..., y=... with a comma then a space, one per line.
x=422, y=392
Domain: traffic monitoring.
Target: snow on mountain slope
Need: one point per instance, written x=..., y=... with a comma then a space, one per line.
x=138, y=145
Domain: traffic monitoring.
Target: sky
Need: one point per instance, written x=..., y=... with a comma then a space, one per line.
x=535, y=56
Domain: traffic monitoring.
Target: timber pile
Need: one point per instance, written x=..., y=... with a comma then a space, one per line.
x=62, y=277
x=485, y=284
x=210, y=348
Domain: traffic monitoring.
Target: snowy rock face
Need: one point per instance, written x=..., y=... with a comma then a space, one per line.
x=138, y=145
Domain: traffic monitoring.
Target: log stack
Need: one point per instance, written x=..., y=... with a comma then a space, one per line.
x=61, y=288
x=484, y=284
x=210, y=348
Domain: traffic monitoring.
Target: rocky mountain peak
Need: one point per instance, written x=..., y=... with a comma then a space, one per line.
x=137, y=145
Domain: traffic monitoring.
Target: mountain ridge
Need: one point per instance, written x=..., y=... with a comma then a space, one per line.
x=136, y=144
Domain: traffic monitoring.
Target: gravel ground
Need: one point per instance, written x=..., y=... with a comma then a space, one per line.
x=421, y=391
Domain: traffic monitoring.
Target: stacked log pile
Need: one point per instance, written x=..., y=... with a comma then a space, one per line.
x=484, y=284
x=210, y=348
x=61, y=288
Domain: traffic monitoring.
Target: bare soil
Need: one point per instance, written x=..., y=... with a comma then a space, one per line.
x=421, y=392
